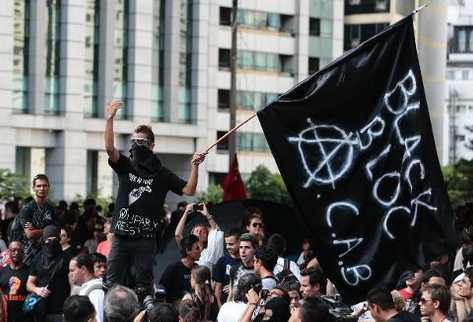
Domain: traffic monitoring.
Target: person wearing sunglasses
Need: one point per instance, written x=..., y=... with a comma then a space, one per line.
x=254, y=225
x=434, y=303
x=143, y=185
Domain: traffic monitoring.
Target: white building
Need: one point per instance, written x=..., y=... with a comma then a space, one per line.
x=459, y=97
x=61, y=62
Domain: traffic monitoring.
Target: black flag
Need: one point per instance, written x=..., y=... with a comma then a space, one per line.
x=354, y=145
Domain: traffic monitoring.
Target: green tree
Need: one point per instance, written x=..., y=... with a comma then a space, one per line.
x=264, y=185
x=459, y=182
x=213, y=195
x=13, y=185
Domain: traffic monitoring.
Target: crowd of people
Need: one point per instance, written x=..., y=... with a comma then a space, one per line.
x=78, y=262
x=54, y=260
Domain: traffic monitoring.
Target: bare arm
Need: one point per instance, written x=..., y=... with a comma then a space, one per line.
x=178, y=234
x=253, y=299
x=209, y=217
x=31, y=287
x=111, y=110
x=218, y=293
x=189, y=188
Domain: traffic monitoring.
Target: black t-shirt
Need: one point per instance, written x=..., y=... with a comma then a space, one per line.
x=238, y=271
x=13, y=285
x=140, y=200
x=176, y=280
x=43, y=268
x=39, y=217
x=404, y=316
x=221, y=272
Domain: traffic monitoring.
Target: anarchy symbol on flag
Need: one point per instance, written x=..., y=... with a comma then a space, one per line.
x=326, y=152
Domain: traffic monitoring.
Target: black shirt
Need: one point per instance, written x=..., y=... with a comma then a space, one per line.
x=13, y=285
x=43, y=268
x=221, y=272
x=39, y=217
x=404, y=316
x=140, y=200
x=176, y=280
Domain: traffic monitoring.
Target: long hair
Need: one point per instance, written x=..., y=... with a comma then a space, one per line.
x=202, y=289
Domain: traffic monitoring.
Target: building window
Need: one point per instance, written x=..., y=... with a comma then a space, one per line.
x=463, y=39
x=53, y=47
x=465, y=74
x=91, y=59
x=185, y=62
x=158, y=60
x=224, y=58
x=460, y=138
x=21, y=25
x=222, y=146
x=260, y=20
x=366, y=6
x=252, y=142
x=216, y=178
x=356, y=34
x=225, y=16
x=314, y=63
x=223, y=99
x=120, y=70
x=450, y=74
x=314, y=27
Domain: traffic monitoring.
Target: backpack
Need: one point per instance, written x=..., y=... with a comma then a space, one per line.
x=286, y=277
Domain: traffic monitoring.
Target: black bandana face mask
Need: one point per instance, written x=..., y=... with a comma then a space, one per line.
x=52, y=248
x=143, y=160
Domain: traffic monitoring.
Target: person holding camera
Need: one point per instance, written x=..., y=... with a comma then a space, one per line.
x=143, y=183
x=210, y=240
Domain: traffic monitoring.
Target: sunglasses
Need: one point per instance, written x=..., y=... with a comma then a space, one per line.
x=423, y=301
x=141, y=142
x=257, y=224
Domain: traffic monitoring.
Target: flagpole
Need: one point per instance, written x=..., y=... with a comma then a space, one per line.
x=420, y=8
x=230, y=132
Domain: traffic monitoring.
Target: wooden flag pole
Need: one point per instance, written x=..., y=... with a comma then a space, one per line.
x=229, y=132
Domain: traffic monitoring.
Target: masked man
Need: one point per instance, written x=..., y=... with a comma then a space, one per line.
x=142, y=189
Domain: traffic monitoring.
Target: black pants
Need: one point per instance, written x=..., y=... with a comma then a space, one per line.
x=135, y=256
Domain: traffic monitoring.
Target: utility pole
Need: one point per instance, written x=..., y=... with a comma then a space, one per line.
x=233, y=89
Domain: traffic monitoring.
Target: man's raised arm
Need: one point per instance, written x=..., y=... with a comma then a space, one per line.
x=110, y=112
x=189, y=188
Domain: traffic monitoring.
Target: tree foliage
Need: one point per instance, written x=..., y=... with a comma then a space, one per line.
x=459, y=182
x=13, y=185
x=264, y=185
x=213, y=195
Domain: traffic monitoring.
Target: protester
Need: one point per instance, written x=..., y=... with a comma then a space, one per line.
x=104, y=246
x=98, y=236
x=176, y=279
x=13, y=278
x=202, y=293
x=313, y=282
x=382, y=308
x=264, y=261
x=121, y=305
x=81, y=273
x=48, y=276
x=34, y=217
x=189, y=311
x=278, y=243
x=435, y=303
x=78, y=309
x=313, y=309
x=100, y=265
x=143, y=185
x=221, y=270
x=233, y=310
x=65, y=241
x=412, y=284
x=253, y=224
x=247, y=249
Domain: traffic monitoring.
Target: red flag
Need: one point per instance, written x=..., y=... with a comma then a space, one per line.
x=233, y=186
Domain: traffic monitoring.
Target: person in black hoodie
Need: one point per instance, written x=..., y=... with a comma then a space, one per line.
x=48, y=277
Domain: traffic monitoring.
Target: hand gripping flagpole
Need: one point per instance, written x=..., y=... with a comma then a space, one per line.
x=229, y=132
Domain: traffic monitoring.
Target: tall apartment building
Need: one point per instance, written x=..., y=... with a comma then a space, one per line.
x=365, y=18
x=168, y=61
x=459, y=97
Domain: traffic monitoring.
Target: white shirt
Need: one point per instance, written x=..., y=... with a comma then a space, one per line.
x=214, y=250
x=96, y=296
x=292, y=267
x=231, y=312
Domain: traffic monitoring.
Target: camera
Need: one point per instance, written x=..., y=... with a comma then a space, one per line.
x=198, y=207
